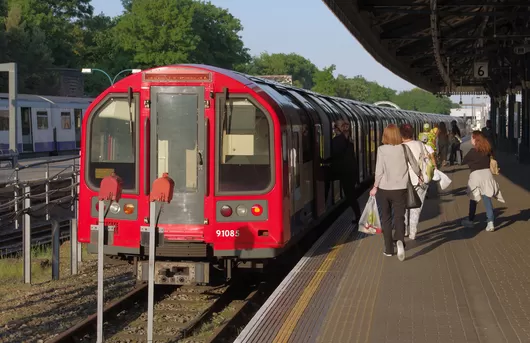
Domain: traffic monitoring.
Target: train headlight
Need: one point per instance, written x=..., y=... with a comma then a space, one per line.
x=256, y=210
x=226, y=211
x=128, y=208
x=114, y=208
x=241, y=211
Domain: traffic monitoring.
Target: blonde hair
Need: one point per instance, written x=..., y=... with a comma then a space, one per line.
x=391, y=135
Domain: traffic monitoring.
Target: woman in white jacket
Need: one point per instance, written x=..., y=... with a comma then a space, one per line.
x=481, y=185
x=422, y=156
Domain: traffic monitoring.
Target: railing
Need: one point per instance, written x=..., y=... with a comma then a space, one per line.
x=56, y=203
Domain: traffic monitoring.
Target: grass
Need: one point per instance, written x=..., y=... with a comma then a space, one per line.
x=12, y=269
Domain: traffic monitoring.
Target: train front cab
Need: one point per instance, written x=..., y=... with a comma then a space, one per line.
x=177, y=120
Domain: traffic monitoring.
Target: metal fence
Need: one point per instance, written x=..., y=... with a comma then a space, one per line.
x=41, y=207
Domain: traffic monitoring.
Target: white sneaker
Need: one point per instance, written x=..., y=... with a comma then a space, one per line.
x=468, y=223
x=412, y=236
x=490, y=227
x=400, y=251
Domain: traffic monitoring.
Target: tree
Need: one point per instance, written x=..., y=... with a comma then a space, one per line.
x=420, y=100
x=352, y=88
x=325, y=82
x=160, y=32
x=127, y=5
x=99, y=50
x=28, y=47
x=300, y=68
x=59, y=22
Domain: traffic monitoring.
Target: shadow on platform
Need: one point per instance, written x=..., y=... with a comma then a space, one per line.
x=513, y=170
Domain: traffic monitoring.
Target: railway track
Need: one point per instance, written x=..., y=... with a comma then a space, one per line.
x=179, y=312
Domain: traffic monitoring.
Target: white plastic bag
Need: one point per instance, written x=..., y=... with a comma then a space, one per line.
x=370, y=221
x=442, y=179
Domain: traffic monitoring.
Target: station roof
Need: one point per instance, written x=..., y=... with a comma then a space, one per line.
x=444, y=46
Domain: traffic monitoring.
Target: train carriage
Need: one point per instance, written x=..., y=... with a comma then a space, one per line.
x=47, y=124
x=247, y=157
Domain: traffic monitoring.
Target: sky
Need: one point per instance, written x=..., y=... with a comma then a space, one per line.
x=305, y=27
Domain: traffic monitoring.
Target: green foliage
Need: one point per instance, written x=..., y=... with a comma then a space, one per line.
x=161, y=32
x=41, y=35
x=300, y=68
x=325, y=82
x=420, y=100
x=28, y=44
x=59, y=21
x=306, y=75
x=44, y=34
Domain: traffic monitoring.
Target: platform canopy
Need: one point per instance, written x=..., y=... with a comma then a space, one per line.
x=445, y=46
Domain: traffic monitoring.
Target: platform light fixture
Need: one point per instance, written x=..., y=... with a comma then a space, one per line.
x=111, y=80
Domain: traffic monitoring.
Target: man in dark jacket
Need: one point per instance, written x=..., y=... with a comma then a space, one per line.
x=490, y=135
x=344, y=166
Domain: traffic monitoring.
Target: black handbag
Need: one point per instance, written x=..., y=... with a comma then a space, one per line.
x=413, y=199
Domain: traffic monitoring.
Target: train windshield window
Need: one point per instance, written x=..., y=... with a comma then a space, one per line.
x=244, y=149
x=112, y=146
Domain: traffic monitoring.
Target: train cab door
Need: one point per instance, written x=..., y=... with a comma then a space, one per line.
x=178, y=148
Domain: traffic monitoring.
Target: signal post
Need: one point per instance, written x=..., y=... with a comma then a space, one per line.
x=162, y=191
x=109, y=191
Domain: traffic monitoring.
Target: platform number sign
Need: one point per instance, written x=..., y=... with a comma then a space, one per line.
x=481, y=70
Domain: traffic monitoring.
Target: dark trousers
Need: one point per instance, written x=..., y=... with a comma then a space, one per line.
x=455, y=147
x=348, y=187
x=442, y=152
x=392, y=201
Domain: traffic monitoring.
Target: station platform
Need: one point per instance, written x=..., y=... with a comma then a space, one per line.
x=456, y=284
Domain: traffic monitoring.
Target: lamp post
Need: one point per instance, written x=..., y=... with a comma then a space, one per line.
x=111, y=80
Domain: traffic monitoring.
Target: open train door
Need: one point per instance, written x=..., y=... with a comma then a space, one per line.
x=178, y=148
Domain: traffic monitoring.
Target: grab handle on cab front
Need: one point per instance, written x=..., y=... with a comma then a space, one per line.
x=199, y=153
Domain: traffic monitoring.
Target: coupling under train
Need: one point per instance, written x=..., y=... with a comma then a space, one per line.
x=246, y=157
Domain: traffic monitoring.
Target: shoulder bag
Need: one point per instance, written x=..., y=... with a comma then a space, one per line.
x=494, y=166
x=412, y=198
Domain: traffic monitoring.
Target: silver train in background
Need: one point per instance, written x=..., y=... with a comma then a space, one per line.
x=48, y=125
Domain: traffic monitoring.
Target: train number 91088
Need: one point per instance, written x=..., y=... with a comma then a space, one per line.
x=227, y=233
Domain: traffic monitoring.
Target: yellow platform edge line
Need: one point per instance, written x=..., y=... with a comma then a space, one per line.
x=294, y=316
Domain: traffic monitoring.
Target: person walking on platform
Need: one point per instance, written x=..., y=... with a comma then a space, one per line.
x=455, y=140
x=481, y=183
x=423, y=157
x=428, y=136
x=390, y=186
x=344, y=166
x=443, y=144
x=490, y=135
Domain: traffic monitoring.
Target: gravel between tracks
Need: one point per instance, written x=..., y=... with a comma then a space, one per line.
x=35, y=313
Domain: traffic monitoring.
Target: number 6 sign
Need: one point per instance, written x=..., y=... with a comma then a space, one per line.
x=480, y=69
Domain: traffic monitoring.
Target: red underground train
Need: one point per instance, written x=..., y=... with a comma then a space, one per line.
x=246, y=156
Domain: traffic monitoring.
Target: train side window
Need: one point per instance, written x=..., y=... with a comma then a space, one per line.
x=295, y=159
x=4, y=120
x=307, y=149
x=42, y=120
x=66, y=120
x=245, y=148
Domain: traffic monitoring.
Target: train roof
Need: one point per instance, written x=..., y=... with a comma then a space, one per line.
x=49, y=98
x=257, y=80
